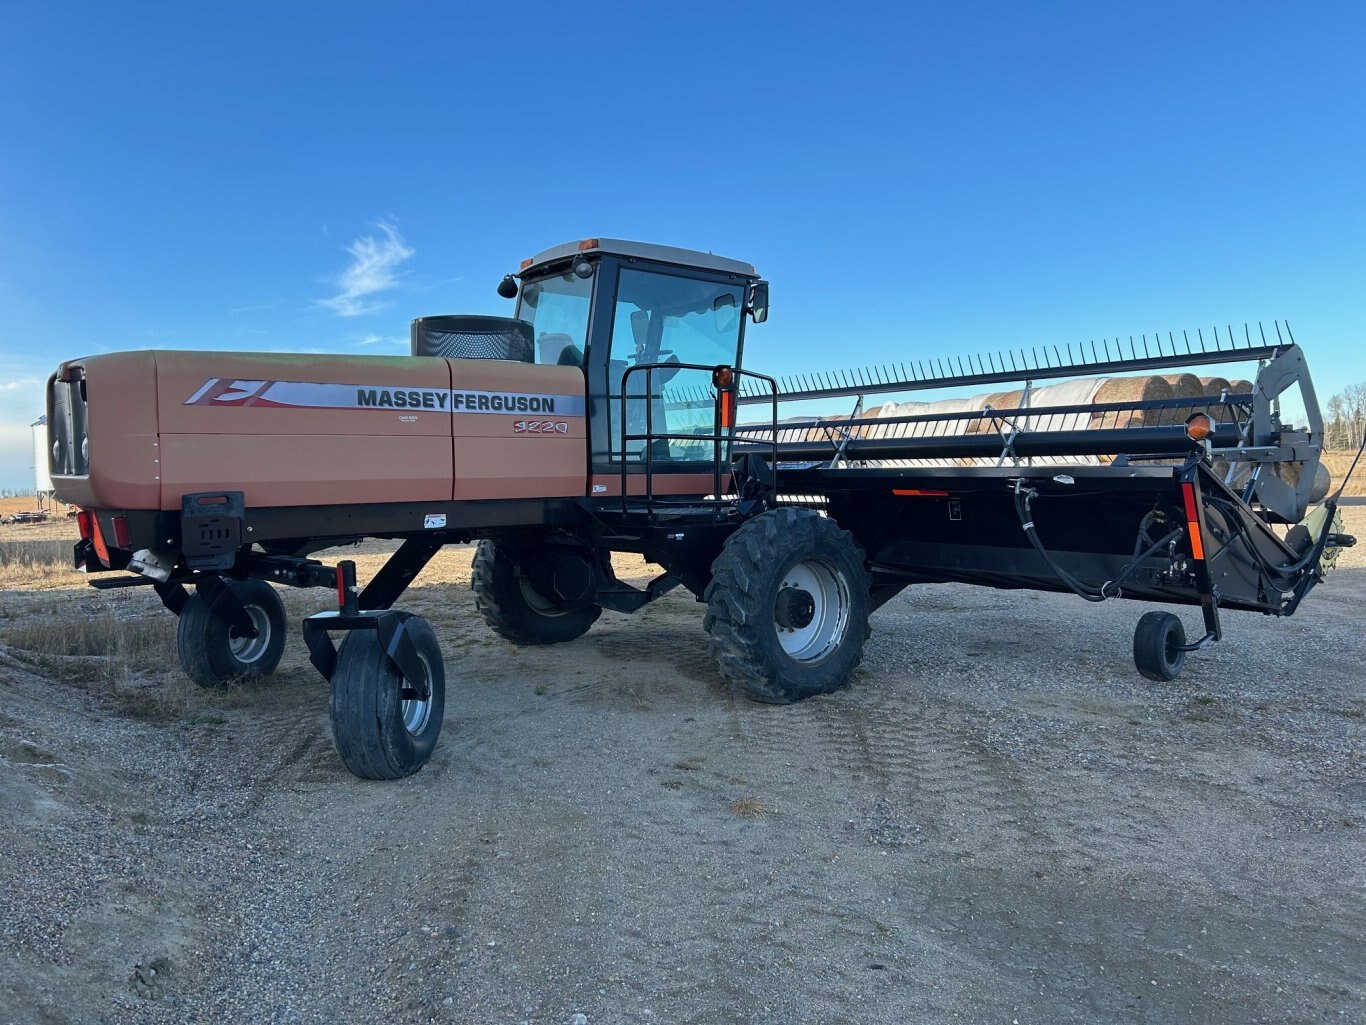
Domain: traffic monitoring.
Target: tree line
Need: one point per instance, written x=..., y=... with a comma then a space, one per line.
x=1344, y=418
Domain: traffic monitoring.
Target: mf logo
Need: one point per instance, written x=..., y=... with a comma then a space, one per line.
x=540, y=427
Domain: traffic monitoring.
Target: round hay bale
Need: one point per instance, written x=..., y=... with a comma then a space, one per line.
x=996, y=400
x=1130, y=389
x=1292, y=472
x=1184, y=386
x=1323, y=482
x=1288, y=472
x=1240, y=387
x=1215, y=386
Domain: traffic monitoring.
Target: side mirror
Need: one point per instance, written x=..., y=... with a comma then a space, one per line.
x=507, y=288
x=758, y=301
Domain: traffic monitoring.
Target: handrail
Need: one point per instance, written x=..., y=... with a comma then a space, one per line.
x=721, y=435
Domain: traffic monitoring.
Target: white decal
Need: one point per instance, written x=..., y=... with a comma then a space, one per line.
x=540, y=427
x=433, y=521
x=312, y=395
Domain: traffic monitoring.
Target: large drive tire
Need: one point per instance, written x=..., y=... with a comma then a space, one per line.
x=514, y=609
x=213, y=653
x=787, y=606
x=1157, y=643
x=379, y=733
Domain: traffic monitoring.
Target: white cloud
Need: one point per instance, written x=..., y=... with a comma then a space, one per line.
x=374, y=268
x=23, y=384
x=383, y=341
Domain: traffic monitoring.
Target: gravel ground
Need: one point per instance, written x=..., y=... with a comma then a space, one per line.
x=998, y=821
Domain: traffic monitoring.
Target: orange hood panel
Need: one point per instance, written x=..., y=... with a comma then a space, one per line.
x=290, y=429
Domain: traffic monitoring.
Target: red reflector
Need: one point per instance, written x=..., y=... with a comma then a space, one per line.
x=121, y=532
x=919, y=493
x=1193, y=521
x=341, y=589
x=1188, y=496
x=85, y=519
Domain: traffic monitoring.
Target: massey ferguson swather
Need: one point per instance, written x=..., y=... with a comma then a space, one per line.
x=603, y=418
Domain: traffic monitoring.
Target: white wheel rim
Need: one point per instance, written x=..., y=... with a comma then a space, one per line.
x=416, y=711
x=250, y=649
x=830, y=617
x=536, y=601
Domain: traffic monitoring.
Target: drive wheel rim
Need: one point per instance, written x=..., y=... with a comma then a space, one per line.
x=417, y=711
x=830, y=614
x=250, y=649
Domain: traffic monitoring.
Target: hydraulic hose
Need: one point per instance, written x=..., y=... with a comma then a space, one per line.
x=1024, y=498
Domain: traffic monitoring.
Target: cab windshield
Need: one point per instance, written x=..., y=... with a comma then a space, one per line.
x=557, y=310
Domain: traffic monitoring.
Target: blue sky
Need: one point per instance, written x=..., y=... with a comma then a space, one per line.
x=914, y=181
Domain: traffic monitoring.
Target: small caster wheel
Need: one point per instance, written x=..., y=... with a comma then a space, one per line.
x=383, y=728
x=1158, y=641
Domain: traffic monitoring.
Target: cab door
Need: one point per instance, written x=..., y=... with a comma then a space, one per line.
x=663, y=319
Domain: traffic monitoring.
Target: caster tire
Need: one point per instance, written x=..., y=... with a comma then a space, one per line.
x=1157, y=641
x=214, y=654
x=378, y=732
x=513, y=608
x=788, y=606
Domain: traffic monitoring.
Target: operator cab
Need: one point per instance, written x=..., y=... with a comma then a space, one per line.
x=610, y=306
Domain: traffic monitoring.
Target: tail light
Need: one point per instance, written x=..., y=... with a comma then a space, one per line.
x=85, y=519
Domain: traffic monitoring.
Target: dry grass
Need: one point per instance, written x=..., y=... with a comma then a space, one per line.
x=1337, y=463
x=138, y=640
x=34, y=554
x=749, y=807
x=35, y=564
x=131, y=661
x=112, y=656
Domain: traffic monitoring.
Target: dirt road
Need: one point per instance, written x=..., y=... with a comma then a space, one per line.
x=999, y=821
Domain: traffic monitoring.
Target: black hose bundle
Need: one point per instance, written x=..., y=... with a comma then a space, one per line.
x=1024, y=498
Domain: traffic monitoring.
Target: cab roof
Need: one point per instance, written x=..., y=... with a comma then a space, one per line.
x=641, y=251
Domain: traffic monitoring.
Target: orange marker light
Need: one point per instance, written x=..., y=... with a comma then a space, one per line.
x=587, y=244
x=526, y=263
x=1199, y=426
